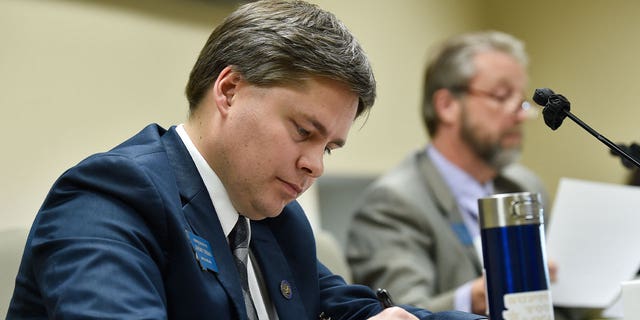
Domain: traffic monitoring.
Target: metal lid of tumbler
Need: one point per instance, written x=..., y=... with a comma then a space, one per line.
x=510, y=209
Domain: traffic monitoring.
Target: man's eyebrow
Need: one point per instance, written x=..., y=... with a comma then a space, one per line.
x=323, y=132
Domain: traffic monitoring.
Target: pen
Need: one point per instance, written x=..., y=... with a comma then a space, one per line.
x=384, y=298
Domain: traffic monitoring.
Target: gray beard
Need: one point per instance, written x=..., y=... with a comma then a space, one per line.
x=491, y=152
x=504, y=157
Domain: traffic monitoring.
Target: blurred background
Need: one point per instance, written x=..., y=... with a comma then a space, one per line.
x=78, y=77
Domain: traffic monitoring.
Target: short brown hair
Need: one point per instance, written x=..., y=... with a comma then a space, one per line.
x=278, y=42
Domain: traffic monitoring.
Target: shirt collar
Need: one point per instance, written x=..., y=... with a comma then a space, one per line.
x=464, y=187
x=227, y=214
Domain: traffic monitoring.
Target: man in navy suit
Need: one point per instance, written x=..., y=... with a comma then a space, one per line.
x=154, y=228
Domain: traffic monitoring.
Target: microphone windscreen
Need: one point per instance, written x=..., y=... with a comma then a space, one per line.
x=541, y=96
x=555, y=110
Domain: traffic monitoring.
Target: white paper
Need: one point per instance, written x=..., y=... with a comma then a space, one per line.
x=630, y=298
x=594, y=239
x=613, y=311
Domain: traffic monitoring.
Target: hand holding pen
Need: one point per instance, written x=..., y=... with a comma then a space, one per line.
x=390, y=312
x=385, y=298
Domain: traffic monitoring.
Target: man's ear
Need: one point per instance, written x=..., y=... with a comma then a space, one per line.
x=446, y=105
x=224, y=89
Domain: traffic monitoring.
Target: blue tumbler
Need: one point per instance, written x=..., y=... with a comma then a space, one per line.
x=514, y=256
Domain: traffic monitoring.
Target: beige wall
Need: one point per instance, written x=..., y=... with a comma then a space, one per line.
x=588, y=51
x=78, y=77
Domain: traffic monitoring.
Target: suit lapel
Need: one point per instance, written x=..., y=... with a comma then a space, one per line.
x=442, y=194
x=201, y=216
x=447, y=203
x=204, y=222
x=276, y=272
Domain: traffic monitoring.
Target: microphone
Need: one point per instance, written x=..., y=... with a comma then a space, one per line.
x=633, y=149
x=557, y=108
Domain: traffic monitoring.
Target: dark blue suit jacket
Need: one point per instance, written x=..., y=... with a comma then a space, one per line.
x=110, y=242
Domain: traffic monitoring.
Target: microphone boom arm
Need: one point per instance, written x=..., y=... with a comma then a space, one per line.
x=556, y=107
x=603, y=139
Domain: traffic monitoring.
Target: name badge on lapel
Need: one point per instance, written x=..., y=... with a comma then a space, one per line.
x=203, y=252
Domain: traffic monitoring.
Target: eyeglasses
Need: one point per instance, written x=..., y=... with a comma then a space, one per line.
x=509, y=102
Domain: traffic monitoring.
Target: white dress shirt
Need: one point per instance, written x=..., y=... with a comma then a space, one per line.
x=228, y=216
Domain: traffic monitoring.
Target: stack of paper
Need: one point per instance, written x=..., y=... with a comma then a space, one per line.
x=594, y=239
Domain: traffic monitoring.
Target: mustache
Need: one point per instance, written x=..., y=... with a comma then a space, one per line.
x=514, y=130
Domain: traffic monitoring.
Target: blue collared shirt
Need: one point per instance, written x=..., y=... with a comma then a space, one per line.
x=466, y=190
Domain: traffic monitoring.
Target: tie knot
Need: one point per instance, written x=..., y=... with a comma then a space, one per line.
x=239, y=243
x=239, y=236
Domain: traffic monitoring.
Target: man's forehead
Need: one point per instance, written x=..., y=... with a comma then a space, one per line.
x=498, y=69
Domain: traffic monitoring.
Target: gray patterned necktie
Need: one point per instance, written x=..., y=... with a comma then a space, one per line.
x=239, y=243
